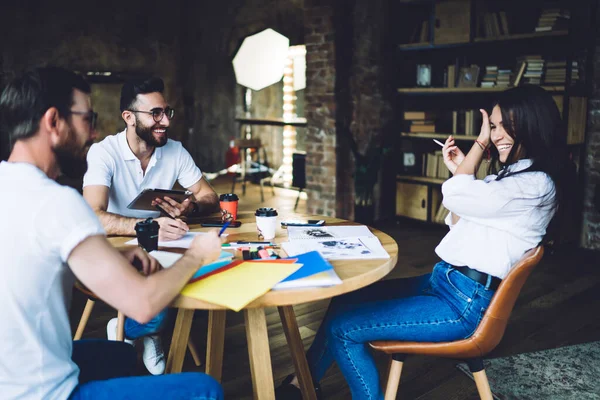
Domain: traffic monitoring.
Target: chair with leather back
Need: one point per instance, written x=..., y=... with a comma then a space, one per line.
x=472, y=349
x=87, y=311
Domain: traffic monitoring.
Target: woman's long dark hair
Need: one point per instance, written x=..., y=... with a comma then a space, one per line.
x=530, y=116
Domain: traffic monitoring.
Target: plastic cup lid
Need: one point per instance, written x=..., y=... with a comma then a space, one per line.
x=228, y=197
x=149, y=223
x=266, y=212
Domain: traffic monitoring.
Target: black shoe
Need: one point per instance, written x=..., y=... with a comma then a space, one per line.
x=287, y=391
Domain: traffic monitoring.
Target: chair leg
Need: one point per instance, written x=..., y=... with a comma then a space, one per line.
x=483, y=386
x=262, y=195
x=120, y=326
x=297, y=199
x=87, y=311
x=194, y=352
x=394, y=376
x=481, y=380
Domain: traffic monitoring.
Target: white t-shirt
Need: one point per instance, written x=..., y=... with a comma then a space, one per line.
x=42, y=222
x=111, y=163
x=499, y=220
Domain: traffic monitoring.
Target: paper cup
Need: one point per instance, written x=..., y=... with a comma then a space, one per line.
x=229, y=206
x=266, y=223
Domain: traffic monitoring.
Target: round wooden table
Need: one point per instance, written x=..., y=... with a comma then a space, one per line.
x=355, y=274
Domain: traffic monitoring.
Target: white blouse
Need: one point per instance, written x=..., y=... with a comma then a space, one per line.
x=499, y=220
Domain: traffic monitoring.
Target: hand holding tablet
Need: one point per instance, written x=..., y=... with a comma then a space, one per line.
x=144, y=200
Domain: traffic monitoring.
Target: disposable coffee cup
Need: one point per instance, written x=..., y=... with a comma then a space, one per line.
x=266, y=222
x=229, y=206
x=147, y=234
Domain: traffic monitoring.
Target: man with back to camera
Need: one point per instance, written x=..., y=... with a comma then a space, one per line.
x=141, y=157
x=49, y=236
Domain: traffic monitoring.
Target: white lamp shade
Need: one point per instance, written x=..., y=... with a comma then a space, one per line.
x=260, y=60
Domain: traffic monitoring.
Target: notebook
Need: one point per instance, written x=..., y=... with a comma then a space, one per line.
x=315, y=272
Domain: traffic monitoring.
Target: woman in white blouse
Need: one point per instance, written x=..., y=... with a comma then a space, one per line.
x=493, y=222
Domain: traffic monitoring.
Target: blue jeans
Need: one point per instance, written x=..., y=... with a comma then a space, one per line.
x=107, y=368
x=135, y=330
x=442, y=306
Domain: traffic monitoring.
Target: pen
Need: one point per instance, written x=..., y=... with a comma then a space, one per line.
x=162, y=210
x=244, y=242
x=224, y=227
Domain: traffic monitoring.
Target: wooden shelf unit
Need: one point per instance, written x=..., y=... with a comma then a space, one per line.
x=450, y=45
x=421, y=46
x=466, y=90
x=420, y=179
x=443, y=136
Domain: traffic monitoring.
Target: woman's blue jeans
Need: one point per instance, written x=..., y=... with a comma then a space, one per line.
x=442, y=306
x=106, y=373
x=135, y=330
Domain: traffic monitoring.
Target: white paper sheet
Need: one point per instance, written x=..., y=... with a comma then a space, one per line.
x=349, y=248
x=184, y=242
x=327, y=232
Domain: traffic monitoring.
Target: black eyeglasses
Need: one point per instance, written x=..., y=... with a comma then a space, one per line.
x=90, y=116
x=158, y=113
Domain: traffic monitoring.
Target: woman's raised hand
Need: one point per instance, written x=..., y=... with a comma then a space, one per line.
x=486, y=131
x=453, y=156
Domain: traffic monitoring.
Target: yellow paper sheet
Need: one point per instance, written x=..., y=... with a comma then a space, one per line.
x=238, y=286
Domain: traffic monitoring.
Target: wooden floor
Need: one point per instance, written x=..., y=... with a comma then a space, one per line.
x=558, y=306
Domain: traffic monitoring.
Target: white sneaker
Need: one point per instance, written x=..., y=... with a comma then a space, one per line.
x=111, y=331
x=154, y=357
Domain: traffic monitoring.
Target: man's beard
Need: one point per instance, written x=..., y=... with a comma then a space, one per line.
x=145, y=133
x=71, y=160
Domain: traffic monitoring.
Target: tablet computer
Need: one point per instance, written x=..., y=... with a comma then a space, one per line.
x=143, y=201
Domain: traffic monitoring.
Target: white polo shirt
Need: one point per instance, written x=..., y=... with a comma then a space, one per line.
x=499, y=220
x=42, y=222
x=111, y=163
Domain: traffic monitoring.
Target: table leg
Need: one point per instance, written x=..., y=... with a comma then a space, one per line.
x=259, y=353
x=292, y=334
x=181, y=334
x=215, y=343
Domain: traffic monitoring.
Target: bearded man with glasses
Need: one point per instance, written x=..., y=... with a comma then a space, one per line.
x=143, y=157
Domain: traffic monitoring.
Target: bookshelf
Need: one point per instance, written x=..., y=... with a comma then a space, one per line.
x=501, y=44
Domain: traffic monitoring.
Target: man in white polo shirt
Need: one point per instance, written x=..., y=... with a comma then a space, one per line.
x=141, y=157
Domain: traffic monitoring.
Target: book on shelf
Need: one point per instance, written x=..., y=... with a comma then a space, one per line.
x=441, y=214
x=553, y=19
x=418, y=128
x=519, y=75
x=504, y=22
x=577, y=120
x=419, y=115
x=451, y=76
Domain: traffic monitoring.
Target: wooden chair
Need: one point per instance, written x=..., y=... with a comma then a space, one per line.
x=247, y=148
x=87, y=311
x=472, y=349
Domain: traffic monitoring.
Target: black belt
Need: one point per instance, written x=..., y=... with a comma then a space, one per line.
x=479, y=277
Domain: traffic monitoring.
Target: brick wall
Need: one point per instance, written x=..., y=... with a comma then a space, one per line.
x=320, y=108
x=345, y=101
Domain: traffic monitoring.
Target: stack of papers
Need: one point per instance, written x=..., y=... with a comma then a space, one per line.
x=335, y=242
